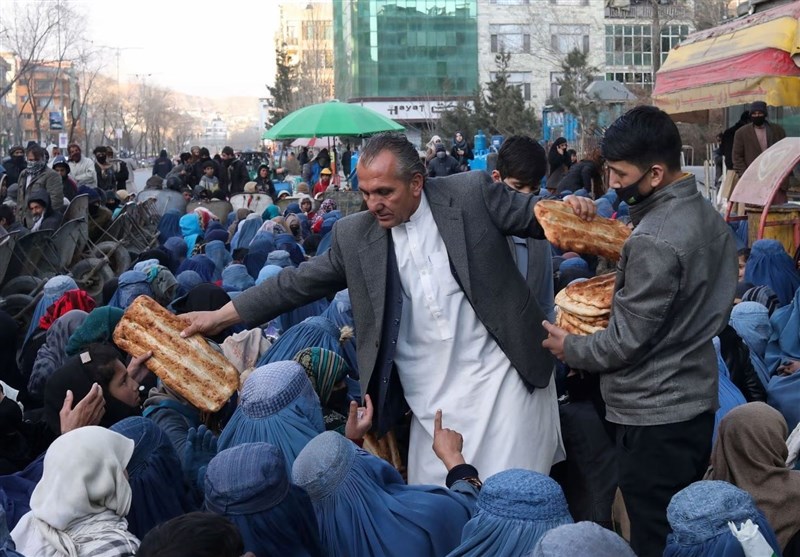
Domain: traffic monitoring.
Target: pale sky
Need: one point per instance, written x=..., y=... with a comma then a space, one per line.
x=202, y=47
x=212, y=48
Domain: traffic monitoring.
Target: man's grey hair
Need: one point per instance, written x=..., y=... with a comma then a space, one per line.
x=408, y=159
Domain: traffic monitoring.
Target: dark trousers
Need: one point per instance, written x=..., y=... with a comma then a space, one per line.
x=656, y=462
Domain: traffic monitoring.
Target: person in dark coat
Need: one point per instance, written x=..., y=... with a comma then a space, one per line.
x=559, y=160
x=754, y=138
x=15, y=164
x=726, y=145
x=70, y=187
x=264, y=183
x=442, y=164
x=461, y=151
x=236, y=170
x=587, y=175
x=44, y=218
x=163, y=165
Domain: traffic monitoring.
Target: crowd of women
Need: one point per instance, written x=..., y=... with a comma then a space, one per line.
x=99, y=458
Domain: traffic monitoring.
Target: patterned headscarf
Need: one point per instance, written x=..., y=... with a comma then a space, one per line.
x=324, y=368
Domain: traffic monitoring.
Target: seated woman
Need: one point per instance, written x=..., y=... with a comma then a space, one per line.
x=277, y=405
x=515, y=509
x=155, y=475
x=770, y=265
x=364, y=507
x=750, y=453
x=699, y=517
x=249, y=485
x=79, y=506
x=100, y=365
x=52, y=354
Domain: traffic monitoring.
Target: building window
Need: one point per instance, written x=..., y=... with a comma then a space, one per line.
x=520, y=79
x=671, y=36
x=509, y=38
x=555, y=87
x=629, y=45
x=566, y=38
x=640, y=79
x=510, y=2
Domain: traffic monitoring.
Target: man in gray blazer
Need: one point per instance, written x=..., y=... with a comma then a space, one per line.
x=473, y=217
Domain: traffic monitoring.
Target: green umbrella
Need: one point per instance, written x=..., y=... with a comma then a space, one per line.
x=329, y=119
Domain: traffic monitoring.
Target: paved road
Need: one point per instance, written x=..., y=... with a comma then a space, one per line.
x=140, y=176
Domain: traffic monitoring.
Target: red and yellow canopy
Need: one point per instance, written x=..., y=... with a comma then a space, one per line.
x=755, y=58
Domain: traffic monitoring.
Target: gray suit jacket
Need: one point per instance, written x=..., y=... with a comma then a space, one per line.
x=474, y=216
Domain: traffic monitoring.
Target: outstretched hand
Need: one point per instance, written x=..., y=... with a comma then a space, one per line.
x=136, y=368
x=89, y=411
x=201, y=447
x=555, y=339
x=447, y=444
x=359, y=420
x=582, y=206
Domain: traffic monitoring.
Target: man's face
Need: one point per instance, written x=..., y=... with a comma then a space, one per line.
x=622, y=174
x=187, y=196
x=225, y=156
x=196, y=153
x=31, y=157
x=61, y=170
x=73, y=151
x=36, y=209
x=18, y=153
x=515, y=184
x=209, y=171
x=56, y=152
x=391, y=200
x=263, y=172
x=756, y=114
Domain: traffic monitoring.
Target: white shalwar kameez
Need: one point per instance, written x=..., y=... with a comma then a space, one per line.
x=447, y=360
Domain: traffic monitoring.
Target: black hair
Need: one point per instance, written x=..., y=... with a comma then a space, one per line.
x=744, y=252
x=227, y=150
x=311, y=244
x=186, y=157
x=644, y=136
x=204, y=152
x=408, y=159
x=571, y=152
x=99, y=149
x=7, y=214
x=197, y=534
x=38, y=152
x=103, y=363
x=522, y=158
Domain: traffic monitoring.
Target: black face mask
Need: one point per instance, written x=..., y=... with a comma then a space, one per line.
x=758, y=120
x=630, y=194
x=101, y=158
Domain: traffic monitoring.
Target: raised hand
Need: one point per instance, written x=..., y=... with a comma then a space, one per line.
x=447, y=443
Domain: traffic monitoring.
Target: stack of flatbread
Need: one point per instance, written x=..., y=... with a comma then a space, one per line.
x=564, y=229
x=188, y=366
x=583, y=308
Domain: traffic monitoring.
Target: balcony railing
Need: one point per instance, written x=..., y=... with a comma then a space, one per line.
x=645, y=11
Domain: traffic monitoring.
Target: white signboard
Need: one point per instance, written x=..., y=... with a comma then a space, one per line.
x=63, y=140
x=118, y=133
x=419, y=109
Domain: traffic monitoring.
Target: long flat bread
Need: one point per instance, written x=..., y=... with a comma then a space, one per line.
x=597, y=291
x=563, y=228
x=188, y=366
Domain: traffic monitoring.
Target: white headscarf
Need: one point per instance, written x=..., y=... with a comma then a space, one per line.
x=80, y=503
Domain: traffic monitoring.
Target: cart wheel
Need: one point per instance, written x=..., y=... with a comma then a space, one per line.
x=119, y=257
x=21, y=285
x=91, y=274
x=14, y=304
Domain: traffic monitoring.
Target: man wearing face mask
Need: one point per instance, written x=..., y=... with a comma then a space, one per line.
x=81, y=168
x=106, y=179
x=442, y=164
x=754, y=138
x=674, y=291
x=15, y=164
x=37, y=176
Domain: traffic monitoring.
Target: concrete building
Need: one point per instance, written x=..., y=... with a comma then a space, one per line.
x=45, y=94
x=407, y=59
x=306, y=32
x=539, y=33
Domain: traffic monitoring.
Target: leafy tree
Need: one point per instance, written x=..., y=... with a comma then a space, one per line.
x=283, y=92
x=498, y=108
x=574, y=98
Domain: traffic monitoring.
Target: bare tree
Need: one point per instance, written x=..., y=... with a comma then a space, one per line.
x=87, y=70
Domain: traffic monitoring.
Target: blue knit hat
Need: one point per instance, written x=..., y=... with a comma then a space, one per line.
x=272, y=387
x=324, y=464
x=523, y=495
x=581, y=540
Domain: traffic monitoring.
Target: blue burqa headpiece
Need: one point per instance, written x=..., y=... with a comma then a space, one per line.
x=312, y=332
x=783, y=391
x=219, y=254
x=364, y=507
x=515, y=509
x=249, y=485
x=186, y=281
x=245, y=232
x=770, y=265
x=340, y=312
x=202, y=265
x=155, y=475
x=53, y=290
x=277, y=405
x=132, y=284
x=168, y=225
x=235, y=278
x=699, y=516
x=582, y=538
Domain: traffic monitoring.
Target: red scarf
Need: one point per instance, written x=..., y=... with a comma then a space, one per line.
x=72, y=299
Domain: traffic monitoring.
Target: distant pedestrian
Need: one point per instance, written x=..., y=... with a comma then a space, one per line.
x=163, y=165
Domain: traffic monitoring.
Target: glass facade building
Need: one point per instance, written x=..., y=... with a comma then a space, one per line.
x=405, y=48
